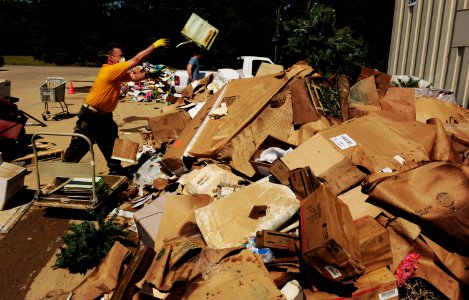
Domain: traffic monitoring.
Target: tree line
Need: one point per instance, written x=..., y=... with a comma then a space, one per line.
x=332, y=35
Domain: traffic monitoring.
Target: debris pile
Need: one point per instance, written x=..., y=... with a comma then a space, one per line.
x=154, y=89
x=295, y=186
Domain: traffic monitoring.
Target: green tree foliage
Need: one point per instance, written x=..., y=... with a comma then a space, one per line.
x=370, y=19
x=86, y=244
x=316, y=39
x=75, y=32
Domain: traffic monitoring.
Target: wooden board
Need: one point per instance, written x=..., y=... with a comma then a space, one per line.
x=51, y=154
x=63, y=201
x=9, y=217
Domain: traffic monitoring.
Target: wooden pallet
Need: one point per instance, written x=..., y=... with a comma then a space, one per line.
x=50, y=154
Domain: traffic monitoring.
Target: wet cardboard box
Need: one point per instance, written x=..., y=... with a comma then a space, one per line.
x=329, y=239
x=11, y=181
x=262, y=168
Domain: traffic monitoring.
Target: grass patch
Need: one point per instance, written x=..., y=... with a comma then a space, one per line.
x=24, y=60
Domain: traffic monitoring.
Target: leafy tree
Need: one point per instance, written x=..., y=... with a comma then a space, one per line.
x=65, y=32
x=316, y=39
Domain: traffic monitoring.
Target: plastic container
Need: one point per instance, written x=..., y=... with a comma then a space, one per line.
x=199, y=31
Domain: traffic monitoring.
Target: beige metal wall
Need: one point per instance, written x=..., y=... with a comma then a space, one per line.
x=421, y=45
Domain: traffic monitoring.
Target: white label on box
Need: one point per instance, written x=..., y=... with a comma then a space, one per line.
x=333, y=271
x=400, y=159
x=344, y=141
x=386, y=170
x=388, y=294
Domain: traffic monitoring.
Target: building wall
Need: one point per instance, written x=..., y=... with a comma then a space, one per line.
x=422, y=44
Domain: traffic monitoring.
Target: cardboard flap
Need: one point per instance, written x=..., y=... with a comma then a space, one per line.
x=168, y=126
x=178, y=216
x=342, y=176
x=400, y=102
x=364, y=92
x=442, y=150
x=302, y=105
x=104, y=278
x=456, y=263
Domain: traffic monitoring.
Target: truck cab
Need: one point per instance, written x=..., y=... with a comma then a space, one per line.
x=249, y=65
x=246, y=66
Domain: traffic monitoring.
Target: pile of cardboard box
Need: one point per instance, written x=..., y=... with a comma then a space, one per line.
x=333, y=217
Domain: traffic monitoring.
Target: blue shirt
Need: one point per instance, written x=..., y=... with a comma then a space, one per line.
x=195, y=67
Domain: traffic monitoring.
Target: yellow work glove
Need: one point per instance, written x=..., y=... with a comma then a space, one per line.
x=161, y=42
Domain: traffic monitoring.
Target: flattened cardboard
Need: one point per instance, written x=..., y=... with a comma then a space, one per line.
x=416, y=131
x=379, y=146
x=103, y=279
x=433, y=196
x=239, y=96
x=317, y=153
x=428, y=107
x=245, y=98
x=329, y=239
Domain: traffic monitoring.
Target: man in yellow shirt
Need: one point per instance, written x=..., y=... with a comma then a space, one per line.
x=95, y=117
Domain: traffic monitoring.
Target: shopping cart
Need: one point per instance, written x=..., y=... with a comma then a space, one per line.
x=53, y=90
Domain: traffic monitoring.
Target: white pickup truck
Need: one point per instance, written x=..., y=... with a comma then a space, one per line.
x=247, y=67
